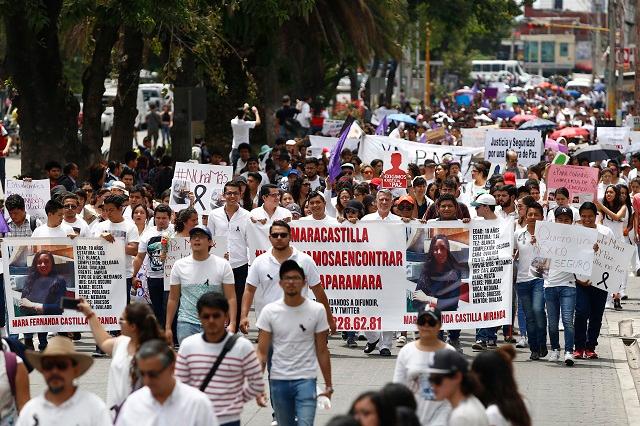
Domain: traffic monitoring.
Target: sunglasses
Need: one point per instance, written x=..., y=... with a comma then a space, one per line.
x=427, y=320
x=279, y=235
x=70, y=206
x=49, y=364
x=403, y=207
x=437, y=379
x=152, y=374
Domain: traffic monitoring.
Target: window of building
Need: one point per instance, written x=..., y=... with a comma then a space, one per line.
x=531, y=51
x=557, y=4
x=564, y=49
x=548, y=51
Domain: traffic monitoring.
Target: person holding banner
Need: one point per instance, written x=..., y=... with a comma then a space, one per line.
x=54, y=228
x=269, y=210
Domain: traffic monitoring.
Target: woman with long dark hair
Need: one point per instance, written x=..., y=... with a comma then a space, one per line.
x=369, y=409
x=138, y=325
x=186, y=219
x=44, y=287
x=440, y=280
x=499, y=391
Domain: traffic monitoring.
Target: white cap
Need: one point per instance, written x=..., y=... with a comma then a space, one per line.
x=484, y=200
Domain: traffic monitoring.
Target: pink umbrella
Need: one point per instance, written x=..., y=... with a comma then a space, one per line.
x=523, y=117
x=555, y=146
x=570, y=132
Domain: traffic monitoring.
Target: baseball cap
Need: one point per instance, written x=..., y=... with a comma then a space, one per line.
x=354, y=205
x=430, y=311
x=429, y=163
x=376, y=181
x=348, y=165
x=294, y=208
x=294, y=172
x=290, y=142
x=446, y=361
x=559, y=211
x=509, y=178
x=407, y=198
x=200, y=228
x=484, y=200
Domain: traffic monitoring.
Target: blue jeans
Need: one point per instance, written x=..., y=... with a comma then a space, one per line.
x=531, y=293
x=186, y=329
x=294, y=399
x=156, y=294
x=561, y=299
x=522, y=319
x=590, y=303
x=487, y=334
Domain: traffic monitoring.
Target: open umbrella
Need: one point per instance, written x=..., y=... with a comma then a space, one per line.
x=538, y=124
x=600, y=88
x=573, y=93
x=511, y=99
x=597, y=152
x=523, y=117
x=570, y=132
x=502, y=113
x=402, y=117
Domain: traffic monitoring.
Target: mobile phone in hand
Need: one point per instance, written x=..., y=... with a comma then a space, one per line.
x=69, y=303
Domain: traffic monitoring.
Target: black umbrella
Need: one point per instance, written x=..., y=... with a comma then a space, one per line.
x=597, y=152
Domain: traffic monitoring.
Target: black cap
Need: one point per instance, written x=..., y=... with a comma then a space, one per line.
x=559, y=211
x=200, y=228
x=355, y=205
x=447, y=361
x=432, y=312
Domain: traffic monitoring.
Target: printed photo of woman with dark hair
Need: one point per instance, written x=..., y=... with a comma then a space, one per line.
x=44, y=287
x=441, y=278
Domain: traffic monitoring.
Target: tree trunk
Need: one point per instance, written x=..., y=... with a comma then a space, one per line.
x=105, y=34
x=180, y=142
x=373, y=72
x=353, y=83
x=125, y=104
x=48, y=111
x=391, y=79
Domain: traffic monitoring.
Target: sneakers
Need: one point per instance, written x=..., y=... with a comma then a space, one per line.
x=492, y=344
x=456, y=344
x=554, y=355
x=543, y=351
x=510, y=339
x=385, y=352
x=344, y=335
x=534, y=356
x=522, y=343
x=578, y=354
x=370, y=347
x=617, y=305
x=568, y=359
x=479, y=345
x=590, y=354
x=402, y=340
x=351, y=342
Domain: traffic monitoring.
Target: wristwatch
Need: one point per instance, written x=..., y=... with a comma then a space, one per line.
x=328, y=389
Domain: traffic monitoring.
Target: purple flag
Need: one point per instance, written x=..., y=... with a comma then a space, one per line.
x=334, y=161
x=423, y=138
x=4, y=228
x=381, y=130
x=474, y=88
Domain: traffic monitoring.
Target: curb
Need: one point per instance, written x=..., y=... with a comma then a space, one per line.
x=627, y=385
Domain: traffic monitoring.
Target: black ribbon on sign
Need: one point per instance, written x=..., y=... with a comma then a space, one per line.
x=199, y=191
x=605, y=276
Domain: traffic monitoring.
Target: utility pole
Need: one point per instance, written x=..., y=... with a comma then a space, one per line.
x=620, y=43
x=611, y=60
x=636, y=103
x=596, y=52
x=427, y=68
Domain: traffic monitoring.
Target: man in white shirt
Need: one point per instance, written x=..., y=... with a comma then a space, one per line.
x=164, y=400
x=304, y=116
x=63, y=402
x=270, y=211
x=150, y=247
x=318, y=206
x=240, y=128
x=54, y=228
x=70, y=204
x=296, y=329
x=231, y=222
x=375, y=339
x=262, y=281
x=311, y=172
x=191, y=277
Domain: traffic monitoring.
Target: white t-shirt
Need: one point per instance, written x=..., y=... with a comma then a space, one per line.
x=185, y=406
x=234, y=229
x=264, y=274
x=495, y=416
x=119, y=382
x=197, y=277
x=61, y=231
x=293, y=330
x=151, y=245
x=83, y=408
x=79, y=226
x=376, y=216
x=260, y=213
x=604, y=230
x=240, y=129
x=125, y=230
x=412, y=370
x=470, y=412
x=526, y=252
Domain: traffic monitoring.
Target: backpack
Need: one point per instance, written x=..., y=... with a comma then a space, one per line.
x=18, y=348
x=32, y=223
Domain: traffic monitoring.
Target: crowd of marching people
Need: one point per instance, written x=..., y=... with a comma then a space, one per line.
x=184, y=358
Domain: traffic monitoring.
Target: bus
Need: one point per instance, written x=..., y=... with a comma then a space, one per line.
x=497, y=70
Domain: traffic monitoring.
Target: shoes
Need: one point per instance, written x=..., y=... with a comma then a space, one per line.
x=590, y=354
x=77, y=336
x=617, y=305
x=344, y=335
x=456, y=344
x=351, y=342
x=385, y=352
x=534, y=356
x=28, y=344
x=370, y=347
x=402, y=340
x=568, y=359
x=543, y=351
x=522, y=343
x=362, y=337
x=578, y=354
x=492, y=344
x=479, y=345
x=625, y=297
x=274, y=423
x=554, y=355
x=510, y=339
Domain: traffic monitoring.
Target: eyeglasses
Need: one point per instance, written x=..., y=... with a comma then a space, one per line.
x=427, y=320
x=152, y=374
x=50, y=364
x=70, y=206
x=273, y=194
x=292, y=279
x=437, y=379
x=233, y=194
x=279, y=235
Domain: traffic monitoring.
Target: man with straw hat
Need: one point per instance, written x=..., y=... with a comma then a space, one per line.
x=63, y=403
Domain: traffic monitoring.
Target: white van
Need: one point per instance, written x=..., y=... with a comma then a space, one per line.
x=148, y=93
x=494, y=70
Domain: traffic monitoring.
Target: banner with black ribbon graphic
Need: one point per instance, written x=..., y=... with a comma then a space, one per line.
x=610, y=263
x=201, y=184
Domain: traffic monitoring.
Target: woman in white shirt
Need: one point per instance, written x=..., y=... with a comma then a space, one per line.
x=499, y=394
x=138, y=325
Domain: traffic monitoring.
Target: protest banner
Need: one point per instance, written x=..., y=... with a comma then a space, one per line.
x=318, y=143
x=436, y=135
x=582, y=182
x=39, y=272
x=471, y=283
x=568, y=247
x=394, y=177
x=633, y=122
x=374, y=147
x=610, y=263
x=332, y=127
x=35, y=193
x=527, y=143
x=617, y=136
x=179, y=247
x=205, y=181
x=474, y=137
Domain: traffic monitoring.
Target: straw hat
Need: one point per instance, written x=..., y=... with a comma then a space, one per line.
x=63, y=347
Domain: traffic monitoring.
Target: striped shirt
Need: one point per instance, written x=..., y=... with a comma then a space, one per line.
x=237, y=380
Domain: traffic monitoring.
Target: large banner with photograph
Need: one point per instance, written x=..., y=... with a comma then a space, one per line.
x=39, y=272
x=205, y=181
x=377, y=275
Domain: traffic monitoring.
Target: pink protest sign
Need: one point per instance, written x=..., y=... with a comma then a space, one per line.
x=582, y=182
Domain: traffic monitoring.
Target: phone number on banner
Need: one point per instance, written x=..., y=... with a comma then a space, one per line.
x=358, y=323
